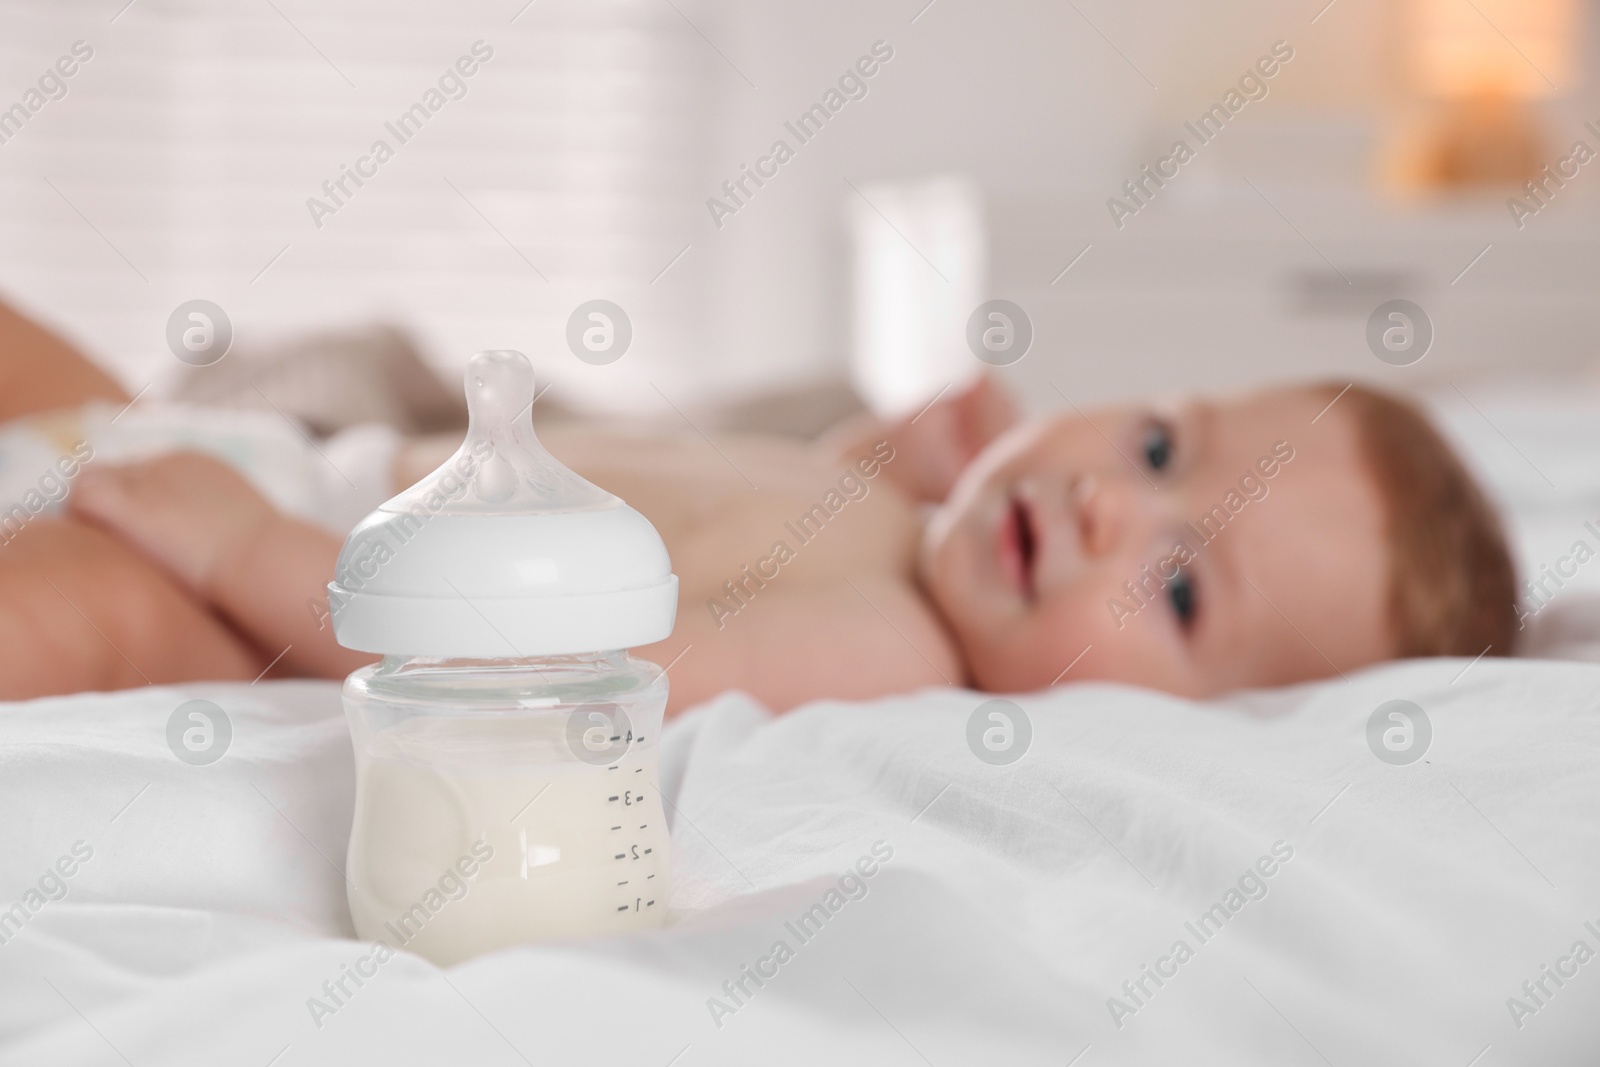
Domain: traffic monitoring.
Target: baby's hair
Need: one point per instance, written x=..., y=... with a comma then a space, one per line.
x=1452, y=583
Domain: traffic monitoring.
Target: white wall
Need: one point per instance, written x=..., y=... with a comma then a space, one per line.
x=594, y=137
x=1209, y=288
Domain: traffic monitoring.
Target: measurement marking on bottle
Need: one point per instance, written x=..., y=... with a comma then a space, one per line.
x=648, y=903
x=623, y=882
x=648, y=877
x=615, y=797
x=623, y=908
x=620, y=856
x=644, y=826
x=648, y=851
x=616, y=827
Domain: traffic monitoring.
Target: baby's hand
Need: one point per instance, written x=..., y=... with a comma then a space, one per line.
x=934, y=445
x=187, y=511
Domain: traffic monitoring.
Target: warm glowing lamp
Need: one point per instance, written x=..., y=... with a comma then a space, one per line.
x=1479, y=67
x=1522, y=49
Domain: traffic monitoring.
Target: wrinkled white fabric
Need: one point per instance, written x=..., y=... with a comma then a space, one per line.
x=334, y=483
x=1018, y=899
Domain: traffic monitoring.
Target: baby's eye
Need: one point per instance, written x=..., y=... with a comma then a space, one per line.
x=1157, y=445
x=1180, y=593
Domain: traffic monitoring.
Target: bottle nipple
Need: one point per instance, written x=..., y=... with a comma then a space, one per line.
x=501, y=467
x=499, y=389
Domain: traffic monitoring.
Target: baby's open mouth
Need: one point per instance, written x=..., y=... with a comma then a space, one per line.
x=1018, y=545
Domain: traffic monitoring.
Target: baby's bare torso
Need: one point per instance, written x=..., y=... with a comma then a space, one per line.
x=721, y=510
x=796, y=570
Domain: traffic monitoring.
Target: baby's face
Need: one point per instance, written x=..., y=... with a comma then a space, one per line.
x=1251, y=538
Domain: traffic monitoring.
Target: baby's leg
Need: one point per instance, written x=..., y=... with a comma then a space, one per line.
x=80, y=610
x=41, y=371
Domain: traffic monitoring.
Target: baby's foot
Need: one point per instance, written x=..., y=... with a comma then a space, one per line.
x=187, y=511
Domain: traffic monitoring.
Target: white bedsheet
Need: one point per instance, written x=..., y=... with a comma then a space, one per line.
x=1018, y=900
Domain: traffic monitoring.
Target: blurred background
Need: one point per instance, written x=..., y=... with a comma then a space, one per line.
x=978, y=165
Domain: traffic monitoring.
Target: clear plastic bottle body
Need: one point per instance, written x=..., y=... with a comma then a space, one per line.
x=505, y=801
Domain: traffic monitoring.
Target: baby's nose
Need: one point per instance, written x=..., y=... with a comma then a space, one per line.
x=1106, y=510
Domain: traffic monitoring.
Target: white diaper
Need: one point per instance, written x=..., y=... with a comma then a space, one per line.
x=333, y=483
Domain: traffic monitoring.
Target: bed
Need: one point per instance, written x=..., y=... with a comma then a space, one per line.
x=1406, y=906
x=1333, y=906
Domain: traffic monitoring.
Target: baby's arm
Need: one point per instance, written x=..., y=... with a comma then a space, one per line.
x=201, y=521
x=932, y=446
x=860, y=639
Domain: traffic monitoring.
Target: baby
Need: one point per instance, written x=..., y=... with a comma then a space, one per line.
x=1195, y=548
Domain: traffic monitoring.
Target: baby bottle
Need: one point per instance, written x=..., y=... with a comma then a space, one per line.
x=505, y=745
